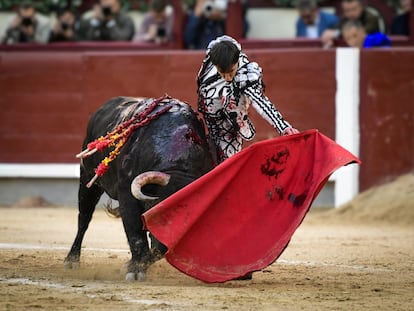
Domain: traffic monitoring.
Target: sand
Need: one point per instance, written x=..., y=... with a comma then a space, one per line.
x=357, y=257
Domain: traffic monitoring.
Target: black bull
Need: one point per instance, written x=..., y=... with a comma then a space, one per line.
x=173, y=147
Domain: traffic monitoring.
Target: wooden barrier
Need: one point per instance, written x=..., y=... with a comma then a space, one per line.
x=47, y=98
x=386, y=114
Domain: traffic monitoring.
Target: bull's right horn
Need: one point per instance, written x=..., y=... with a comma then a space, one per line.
x=150, y=177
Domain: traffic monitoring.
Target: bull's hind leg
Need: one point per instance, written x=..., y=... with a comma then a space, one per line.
x=158, y=249
x=88, y=198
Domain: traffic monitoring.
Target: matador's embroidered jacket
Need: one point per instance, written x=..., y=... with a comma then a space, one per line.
x=225, y=104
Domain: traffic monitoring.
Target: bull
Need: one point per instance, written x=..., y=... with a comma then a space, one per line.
x=159, y=157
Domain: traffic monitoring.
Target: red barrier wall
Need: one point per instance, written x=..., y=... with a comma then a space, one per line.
x=47, y=97
x=386, y=114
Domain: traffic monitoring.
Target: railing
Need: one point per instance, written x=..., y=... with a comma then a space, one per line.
x=87, y=46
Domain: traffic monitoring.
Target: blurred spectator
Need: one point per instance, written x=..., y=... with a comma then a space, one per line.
x=400, y=24
x=355, y=35
x=28, y=26
x=312, y=21
x=65, y=27
x=353, y=10
x=205, y=23
x=158, y=24
x=108, y=23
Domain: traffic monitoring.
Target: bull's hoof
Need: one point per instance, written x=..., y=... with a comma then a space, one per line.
x=141, y=276
x=156, y=255
x=132, y=276
x=72, y=261
x=71, y=264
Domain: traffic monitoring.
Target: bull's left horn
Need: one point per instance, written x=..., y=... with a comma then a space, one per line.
x=150, y=177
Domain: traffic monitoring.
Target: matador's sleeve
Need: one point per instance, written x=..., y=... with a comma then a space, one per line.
x=252, y=86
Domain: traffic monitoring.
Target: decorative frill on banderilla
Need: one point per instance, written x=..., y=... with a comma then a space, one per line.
x=119, y=136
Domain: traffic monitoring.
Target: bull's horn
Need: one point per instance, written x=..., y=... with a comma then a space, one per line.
x=150, y=177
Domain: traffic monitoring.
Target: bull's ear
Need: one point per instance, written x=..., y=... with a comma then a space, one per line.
x=150, y=177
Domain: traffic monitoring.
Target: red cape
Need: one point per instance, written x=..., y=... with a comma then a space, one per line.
x=239, y=217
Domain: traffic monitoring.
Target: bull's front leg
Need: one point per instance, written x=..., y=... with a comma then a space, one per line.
x=131, y=212
x=87, y=200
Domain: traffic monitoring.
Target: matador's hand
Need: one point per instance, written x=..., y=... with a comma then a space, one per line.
x=290, y=131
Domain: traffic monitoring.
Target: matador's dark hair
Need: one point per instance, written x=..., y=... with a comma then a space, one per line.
x=224, y=55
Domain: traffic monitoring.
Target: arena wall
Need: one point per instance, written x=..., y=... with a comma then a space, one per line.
x=47, y=97
x=386, y=115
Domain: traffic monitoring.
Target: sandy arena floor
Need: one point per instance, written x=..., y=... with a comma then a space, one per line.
x=337, y=260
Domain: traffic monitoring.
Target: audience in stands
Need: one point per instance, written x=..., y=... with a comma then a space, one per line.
x=312, y=21
x=400, y=24
x=65, y=28
x=108, y=23
x=28, y=26
x=353, y=10
x=355, y=35
x=158, y=24
x=205, y=23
